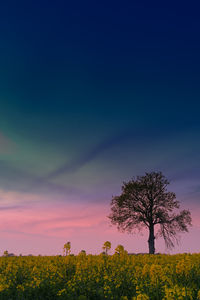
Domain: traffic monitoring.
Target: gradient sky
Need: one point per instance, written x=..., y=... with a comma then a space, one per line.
x=92, y=94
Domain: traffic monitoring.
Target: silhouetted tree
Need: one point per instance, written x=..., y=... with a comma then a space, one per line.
x=106, y=246
x=145, y=202
x=82, y=253
x=67, y=248
x=5, y=253
x=120, y=250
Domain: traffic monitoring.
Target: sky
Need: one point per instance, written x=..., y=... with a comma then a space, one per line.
x=93, y=93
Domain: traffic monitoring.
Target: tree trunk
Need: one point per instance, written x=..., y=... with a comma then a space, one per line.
x=151, y=240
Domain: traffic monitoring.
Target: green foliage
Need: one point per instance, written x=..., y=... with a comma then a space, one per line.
x=106, y=246
x=82, y=253
x=116, y=277
x=67, y=248
x=5, y=253
x=120, y=250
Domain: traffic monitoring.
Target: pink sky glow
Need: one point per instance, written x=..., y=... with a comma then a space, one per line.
x=43, y=226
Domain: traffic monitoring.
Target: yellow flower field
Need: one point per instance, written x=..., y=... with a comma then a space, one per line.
x=124, y=277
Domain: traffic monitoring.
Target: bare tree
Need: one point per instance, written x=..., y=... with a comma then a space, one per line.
x=145, y=202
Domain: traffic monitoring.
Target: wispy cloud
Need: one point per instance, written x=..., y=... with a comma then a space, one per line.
x=6, y=145
x=85, y=158
x=16, y=179
x=166, y=148
x=137, y=137
x=14, y=207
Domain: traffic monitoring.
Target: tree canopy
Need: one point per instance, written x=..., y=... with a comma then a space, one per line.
x=145, y=202
x=67, y=248
x=106, y=246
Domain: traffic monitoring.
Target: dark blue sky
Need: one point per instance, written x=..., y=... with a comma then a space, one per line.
x=107, y=89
